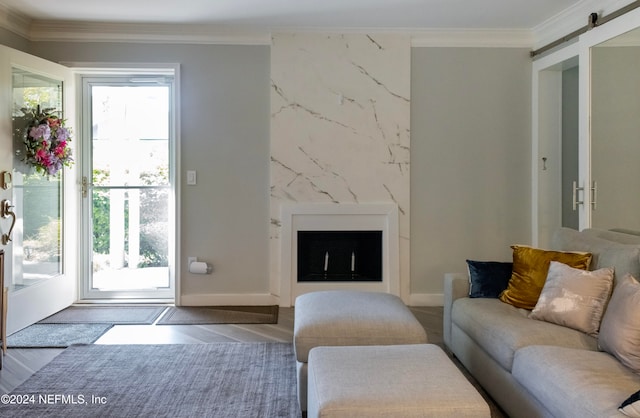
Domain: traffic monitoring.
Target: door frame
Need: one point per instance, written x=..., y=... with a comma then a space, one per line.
x=546, y=139
x=97, y=70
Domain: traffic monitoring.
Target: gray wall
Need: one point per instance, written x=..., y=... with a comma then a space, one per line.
x=470, y=156
x=14, y=41
x=225, y=138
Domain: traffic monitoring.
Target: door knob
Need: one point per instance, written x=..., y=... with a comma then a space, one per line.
x=5, y=211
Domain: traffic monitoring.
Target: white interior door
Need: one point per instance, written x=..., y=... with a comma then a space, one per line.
x=40, y=269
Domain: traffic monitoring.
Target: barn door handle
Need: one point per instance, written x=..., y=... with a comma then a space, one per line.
x=574, y=198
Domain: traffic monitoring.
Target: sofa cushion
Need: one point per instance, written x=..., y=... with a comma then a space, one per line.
x=501, y=329
x=573, y=382
x=620, y=330
x=630, y=237
x=530, y=267
x=624, y=258
x=487, y=279
x=574, y=298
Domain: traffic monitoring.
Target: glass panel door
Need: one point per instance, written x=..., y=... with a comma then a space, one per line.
x=37, y=195
x=615, y=105
x=128, y=188
x=41, y=247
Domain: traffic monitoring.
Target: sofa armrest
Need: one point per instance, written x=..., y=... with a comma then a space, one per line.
x=456, y=286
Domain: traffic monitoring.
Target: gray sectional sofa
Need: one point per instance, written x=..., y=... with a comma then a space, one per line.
x=533, y=368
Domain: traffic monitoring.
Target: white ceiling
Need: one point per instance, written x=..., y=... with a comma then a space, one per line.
x=391, y=14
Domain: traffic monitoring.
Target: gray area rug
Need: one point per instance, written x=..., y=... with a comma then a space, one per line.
x=56, y=335
x=200, y=315
x=191, y=380
x=106, y=315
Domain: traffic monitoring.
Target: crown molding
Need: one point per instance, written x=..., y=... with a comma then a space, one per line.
x=146, y=33
x=15, y=22
x=209, y=34
x=573, y=18
x=494, y=38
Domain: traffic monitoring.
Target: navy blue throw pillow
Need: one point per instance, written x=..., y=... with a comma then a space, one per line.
x=631, y=407
x=488, y=279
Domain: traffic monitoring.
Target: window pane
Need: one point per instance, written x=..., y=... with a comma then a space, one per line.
x=37, y=199
x=130, y=178
x=130, y=134
x=130, y=238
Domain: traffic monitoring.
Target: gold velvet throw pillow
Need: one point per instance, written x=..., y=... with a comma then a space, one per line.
x=530, y=268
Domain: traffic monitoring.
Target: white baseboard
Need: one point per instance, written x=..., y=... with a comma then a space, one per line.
x=229, y=299
x=426, y=299
x=415, y=299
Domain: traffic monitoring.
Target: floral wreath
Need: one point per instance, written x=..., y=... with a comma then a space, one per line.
x=46, y=141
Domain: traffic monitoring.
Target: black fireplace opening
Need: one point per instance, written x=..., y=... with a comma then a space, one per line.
x=339, y=256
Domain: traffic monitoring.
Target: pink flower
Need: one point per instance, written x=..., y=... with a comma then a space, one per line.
x=43, y=157
x=53, y=122
x=59, y=151
x=40, y=154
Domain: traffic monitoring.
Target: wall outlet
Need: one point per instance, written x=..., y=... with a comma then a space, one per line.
x=191, y=260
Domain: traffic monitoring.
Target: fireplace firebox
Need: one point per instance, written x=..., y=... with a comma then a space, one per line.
x=339, y=256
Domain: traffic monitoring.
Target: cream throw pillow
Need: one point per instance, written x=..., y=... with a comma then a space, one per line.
x=620, y=329
x=574, y=298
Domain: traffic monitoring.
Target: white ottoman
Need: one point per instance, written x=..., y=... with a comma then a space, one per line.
x=389, y=381
x=345, y=318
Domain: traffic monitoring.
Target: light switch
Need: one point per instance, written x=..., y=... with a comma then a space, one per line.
x=191, y=177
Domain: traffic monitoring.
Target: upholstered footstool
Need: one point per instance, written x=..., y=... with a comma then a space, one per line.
x=389, y=381
x=344, y=318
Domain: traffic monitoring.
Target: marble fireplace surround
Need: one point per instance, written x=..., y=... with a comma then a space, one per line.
x=338, y=217
x=340, y=137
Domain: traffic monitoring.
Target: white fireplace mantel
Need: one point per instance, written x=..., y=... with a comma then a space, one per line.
x=338, y=217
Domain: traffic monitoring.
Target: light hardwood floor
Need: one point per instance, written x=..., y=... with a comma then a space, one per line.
x=20, y=364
